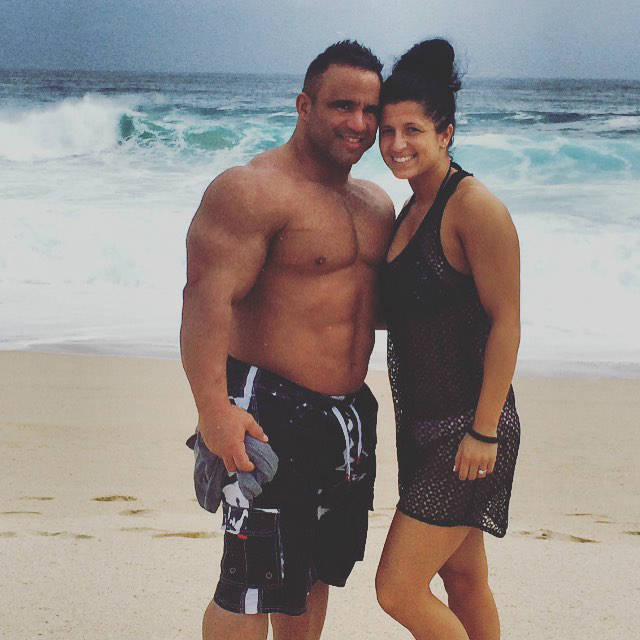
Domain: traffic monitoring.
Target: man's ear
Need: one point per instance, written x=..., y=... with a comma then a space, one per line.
x=303, y=104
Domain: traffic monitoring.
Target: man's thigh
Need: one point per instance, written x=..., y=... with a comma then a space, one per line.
x=220, y=624
x=307, y=626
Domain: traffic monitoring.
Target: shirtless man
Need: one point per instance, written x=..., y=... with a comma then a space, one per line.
x=277, y=330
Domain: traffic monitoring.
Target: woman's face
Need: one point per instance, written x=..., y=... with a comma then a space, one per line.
x=409, y=142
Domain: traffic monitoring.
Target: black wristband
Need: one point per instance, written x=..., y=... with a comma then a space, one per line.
x=482, y=437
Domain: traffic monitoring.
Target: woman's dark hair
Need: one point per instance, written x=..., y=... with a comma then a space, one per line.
x=426, y=74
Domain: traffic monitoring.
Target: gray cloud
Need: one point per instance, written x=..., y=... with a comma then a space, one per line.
x=547, y=38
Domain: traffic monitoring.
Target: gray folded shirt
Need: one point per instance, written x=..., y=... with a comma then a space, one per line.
x=210, y=474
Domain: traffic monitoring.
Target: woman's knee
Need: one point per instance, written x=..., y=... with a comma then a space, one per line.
x=389, y=592
x=460, y=581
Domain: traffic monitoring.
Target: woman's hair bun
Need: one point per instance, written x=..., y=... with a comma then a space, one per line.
x=432, y=60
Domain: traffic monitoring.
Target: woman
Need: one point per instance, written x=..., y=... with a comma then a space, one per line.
x=451, y=292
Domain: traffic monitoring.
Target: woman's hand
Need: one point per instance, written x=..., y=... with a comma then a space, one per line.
x=475, y=459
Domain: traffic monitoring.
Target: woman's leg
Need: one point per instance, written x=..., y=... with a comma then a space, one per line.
x=413, y=553
x=465, y=575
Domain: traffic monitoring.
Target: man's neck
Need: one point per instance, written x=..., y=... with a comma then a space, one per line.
x=315, y=166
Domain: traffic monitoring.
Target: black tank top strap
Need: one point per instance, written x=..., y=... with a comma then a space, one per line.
x=442, y=197
x=403, y=212
x=448, y=190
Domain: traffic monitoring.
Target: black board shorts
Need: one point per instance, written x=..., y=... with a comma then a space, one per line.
x=310, y=522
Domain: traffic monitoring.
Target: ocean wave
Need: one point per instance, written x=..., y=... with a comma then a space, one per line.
x=525, y=117
x=519, y=143
x=196, y=137
x=521, y=116
x=73, y=126
x=95, y=123
x=581, y=123
x=548, y=158
x=554, y=117
x=622, y=123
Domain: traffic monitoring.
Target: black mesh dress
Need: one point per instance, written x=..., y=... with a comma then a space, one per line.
x=437, y=336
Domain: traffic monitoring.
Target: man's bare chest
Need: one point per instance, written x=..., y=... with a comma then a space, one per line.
x=326, y=237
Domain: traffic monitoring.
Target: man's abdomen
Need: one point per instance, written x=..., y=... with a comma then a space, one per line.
x=324, y=347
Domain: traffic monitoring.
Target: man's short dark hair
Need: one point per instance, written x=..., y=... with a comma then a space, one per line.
x=346, y=52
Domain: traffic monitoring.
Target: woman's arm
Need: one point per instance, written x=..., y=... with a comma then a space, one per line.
x=490, y=244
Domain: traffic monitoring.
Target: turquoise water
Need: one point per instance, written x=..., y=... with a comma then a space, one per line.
x=100, y=174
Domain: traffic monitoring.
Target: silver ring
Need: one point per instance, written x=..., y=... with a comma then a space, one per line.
x=482, y=471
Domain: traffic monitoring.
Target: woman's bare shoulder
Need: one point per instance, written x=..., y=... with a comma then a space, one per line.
x=473, y=207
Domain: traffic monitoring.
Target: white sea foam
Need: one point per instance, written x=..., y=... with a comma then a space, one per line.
x=523, y=117
x=82, y=126
x=622, y=123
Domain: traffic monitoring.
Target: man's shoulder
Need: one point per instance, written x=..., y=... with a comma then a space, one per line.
x=245, y=190
x=375, y=198
x=268, y=163
x=242, y=181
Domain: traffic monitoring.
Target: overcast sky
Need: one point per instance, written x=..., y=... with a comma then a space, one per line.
x=534, y=38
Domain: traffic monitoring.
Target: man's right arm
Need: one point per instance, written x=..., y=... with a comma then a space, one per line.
x=227, y=245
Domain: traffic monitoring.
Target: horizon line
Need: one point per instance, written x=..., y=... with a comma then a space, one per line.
x=296, y=74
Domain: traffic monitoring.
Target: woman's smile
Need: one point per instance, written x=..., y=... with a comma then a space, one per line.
x=409, y=141
x=402, y=159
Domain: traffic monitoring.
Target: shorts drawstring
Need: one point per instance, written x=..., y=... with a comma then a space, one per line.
x=355, y=413
x=347, y=438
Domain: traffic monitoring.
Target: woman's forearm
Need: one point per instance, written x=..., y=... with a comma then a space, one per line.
x=499, y=365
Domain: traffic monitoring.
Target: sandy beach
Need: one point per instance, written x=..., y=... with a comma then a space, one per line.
x=101, y=537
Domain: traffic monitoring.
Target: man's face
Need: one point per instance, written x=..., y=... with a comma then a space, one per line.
x=342, y=118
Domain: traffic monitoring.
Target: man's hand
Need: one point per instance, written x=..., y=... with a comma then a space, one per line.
x=475, y=459
x=224, y=436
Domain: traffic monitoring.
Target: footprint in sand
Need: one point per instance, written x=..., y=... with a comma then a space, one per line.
x=51, y=534
x=547, y=534
x=115, y=499
x=134, y=512
x=20, y=513
x=64, y=534
x=599, y=519
x=188, y=534
x=175, y=534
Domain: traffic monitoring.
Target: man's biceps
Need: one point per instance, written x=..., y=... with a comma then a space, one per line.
x=216, y=222
x=229, y=281
x=229, y=253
